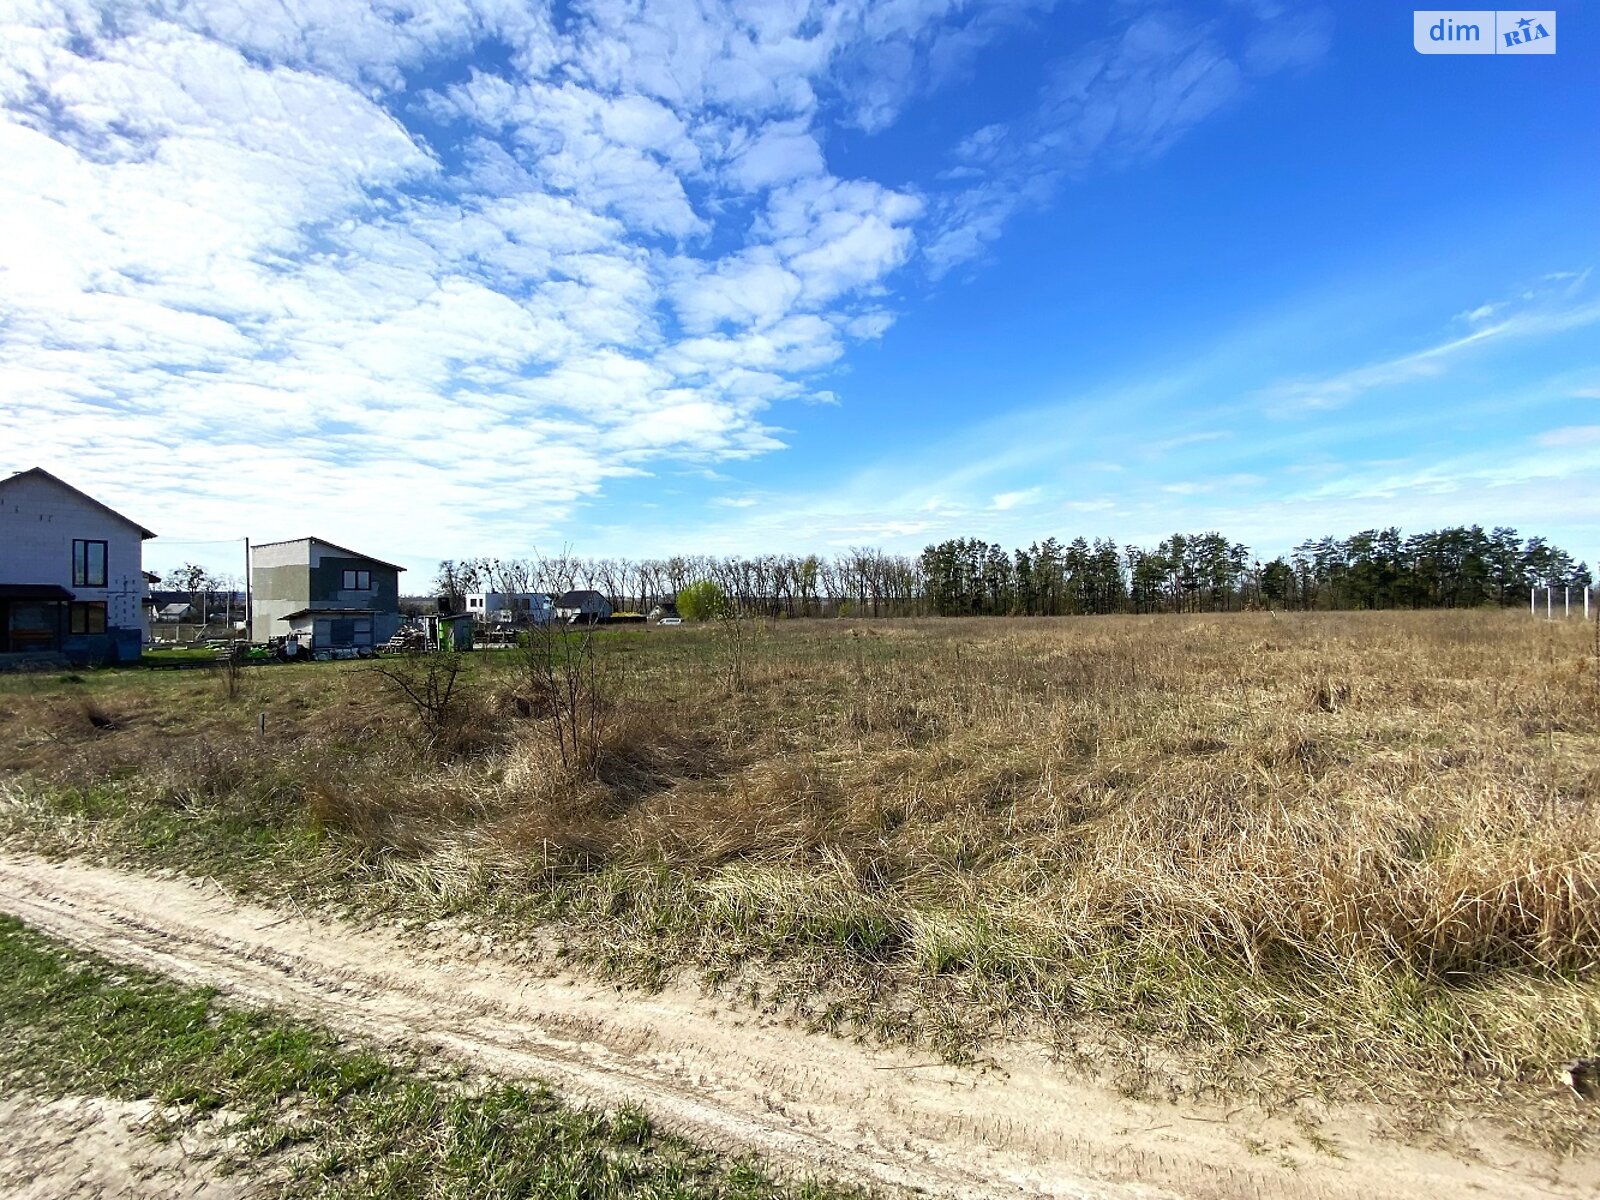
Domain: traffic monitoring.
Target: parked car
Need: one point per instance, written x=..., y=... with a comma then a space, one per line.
x=670, y=621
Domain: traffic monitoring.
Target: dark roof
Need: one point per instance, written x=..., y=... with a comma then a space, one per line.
x=579, y=598
x=332, y=546
x=328, y=612
x=144, y=534
x=33, y=591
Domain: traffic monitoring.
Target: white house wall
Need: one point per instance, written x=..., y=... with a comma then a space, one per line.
x=39, y=521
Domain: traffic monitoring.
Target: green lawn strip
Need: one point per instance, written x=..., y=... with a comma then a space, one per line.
x=319, y=1118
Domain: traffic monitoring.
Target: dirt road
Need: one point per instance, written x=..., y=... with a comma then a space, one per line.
x=91, y=1148
x=736, y=1081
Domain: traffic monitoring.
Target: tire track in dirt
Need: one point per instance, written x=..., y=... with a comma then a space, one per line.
x=738, y=1082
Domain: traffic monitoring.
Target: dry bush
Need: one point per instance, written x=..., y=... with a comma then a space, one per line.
x=450, y=719
x=547, y=807
x=561, y=689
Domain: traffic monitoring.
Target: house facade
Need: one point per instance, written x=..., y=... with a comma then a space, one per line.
x=72, y=580
x=332, y=597
x=509, y=608
x=583, y=607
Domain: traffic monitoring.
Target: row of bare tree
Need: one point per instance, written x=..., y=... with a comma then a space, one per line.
x=863, y=580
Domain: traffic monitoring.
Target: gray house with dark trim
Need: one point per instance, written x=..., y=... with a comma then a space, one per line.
x=333, y=597
x=583, y=607
x=72, y=581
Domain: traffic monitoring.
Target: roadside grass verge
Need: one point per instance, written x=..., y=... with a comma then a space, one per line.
x=311, y=1116
x=1346, y=853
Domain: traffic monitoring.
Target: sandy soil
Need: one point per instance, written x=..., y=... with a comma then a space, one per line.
x=91, y=1148
x=736, y=1081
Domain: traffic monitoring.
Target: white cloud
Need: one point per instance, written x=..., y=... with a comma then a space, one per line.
x=1009, y=500
x=246, y=262
x=779, y=153
x=750, y=289
x=840, y=235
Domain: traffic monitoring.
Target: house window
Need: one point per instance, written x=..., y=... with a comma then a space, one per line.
x=87, y=618
x=358, y=581
x=88, y=564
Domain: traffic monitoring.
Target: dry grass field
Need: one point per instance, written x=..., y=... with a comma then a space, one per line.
x=1352, y=853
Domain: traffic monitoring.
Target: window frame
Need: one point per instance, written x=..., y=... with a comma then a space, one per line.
x=82, y=576
x=79, y=613
x=351, y=580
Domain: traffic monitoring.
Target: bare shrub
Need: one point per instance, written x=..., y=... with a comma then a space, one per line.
x=230, y=671
x=562, y=690
x=737, y=635
x=429, y=683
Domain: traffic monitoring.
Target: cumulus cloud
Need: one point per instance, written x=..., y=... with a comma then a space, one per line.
x=471, y=260
x=254, y=255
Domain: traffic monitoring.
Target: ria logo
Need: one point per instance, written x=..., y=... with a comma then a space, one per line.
x=1529, y=30
x=1484, y=31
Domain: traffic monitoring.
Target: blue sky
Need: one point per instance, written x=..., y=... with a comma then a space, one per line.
x=436, y=278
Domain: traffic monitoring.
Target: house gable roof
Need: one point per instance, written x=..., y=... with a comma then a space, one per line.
x=41, y=473
x=582, y=596
x=332, y=546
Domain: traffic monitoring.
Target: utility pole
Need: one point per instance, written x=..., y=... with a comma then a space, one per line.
x=249, y=622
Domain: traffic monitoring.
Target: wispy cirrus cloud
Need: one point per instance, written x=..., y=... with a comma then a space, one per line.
x=1118, y=101
x=1571, y=435
x=1539, y=311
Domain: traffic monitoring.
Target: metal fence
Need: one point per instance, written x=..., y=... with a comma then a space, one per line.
x=1563, y=603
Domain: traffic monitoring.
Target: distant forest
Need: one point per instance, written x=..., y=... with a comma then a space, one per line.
x=1460, y=567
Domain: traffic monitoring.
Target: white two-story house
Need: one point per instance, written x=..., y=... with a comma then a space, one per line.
x=72, y=580
x=510, y=608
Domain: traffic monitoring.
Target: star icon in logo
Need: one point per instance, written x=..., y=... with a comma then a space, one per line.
x=1525, y=22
